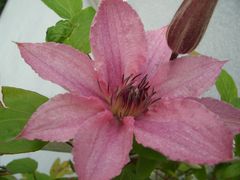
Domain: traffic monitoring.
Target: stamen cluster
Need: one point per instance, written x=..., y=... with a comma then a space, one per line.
x=133, y=97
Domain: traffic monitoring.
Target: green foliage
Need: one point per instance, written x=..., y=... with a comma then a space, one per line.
x=226, y=87
x=36, y=176
x=59, y=169
x=148, y=160
x=143, y=162
x=227, y=171
x=20, y=146
x=237, y=146
x=64, y=8
x=75, y=30
x=41, y=176
x=79, y=38
x=144, y=168
x=168, y=166
x=19, y=106
x=128, y=172
x=21, y=100
x=200, y=173
x=8, y=177
x=2, y=4
x=59, y=32
x=147, y=152
x=184, y=167
x=10, y=126
x=25, y=165
x=27, y=168
x=235, y=102
x=189, y=170
x=228, y=91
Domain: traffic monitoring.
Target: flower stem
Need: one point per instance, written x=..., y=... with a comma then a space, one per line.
x=173, y=56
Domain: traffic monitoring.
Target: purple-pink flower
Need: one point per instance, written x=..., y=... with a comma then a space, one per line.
x=129, y=89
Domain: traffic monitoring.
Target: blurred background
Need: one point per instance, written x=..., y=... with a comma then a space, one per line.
x=28, y=20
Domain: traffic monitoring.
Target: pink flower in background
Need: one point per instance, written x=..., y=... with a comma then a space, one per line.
x=130, y=89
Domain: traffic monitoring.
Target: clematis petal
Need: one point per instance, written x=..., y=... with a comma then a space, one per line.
x=185, y=130
x=229, y=114
x=63, y=65
x=60, y=118
x=101, y=147
x=158, y=50
x=186, y=76
x=118, y=41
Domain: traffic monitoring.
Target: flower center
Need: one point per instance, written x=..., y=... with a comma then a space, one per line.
x=133, y=97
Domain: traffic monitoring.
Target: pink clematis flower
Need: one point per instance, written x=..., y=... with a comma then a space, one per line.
x=129, y=89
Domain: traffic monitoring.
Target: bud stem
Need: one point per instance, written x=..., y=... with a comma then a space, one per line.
x=173, y=56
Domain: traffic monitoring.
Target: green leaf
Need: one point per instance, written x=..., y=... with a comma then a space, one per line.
x=9, y=177
x=79, y=37
x=64, y=8
x=237, y=145
x=228, y=91
x=20, y=104
x=10, y=126
x=147, y=152
x=20, y=146
x=24, y=165
x=228, y=171
x=59, y=32
x=21, y=100
x=200, y=174
x=28, y=177
x=42, y=176
x=74, y=32
x=144, y=167
x=167, y=166
x=36, y=176
x=226, y=87
x=235, y=102
x=183, y=167
x=59, y=169
x=128, y=172
x=2, y=4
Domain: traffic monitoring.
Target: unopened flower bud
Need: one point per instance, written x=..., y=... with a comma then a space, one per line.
x=189, y=25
